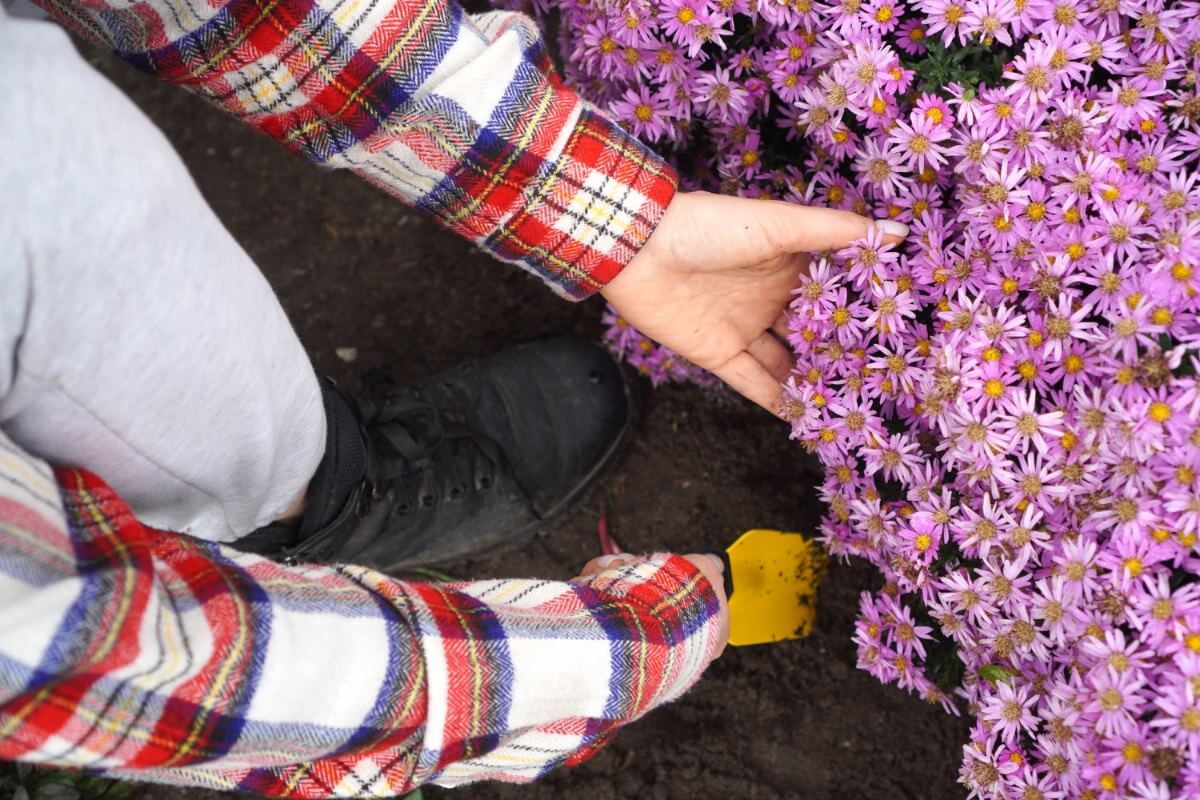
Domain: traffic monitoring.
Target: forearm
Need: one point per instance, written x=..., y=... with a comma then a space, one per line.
x=462, y=117
x=157, y=657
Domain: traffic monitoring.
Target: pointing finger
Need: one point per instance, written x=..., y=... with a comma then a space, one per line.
x=811, y=229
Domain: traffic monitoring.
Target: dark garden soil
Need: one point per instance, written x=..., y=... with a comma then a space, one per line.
x=355, y=269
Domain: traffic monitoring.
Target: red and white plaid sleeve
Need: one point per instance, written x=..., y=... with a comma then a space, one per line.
x=157, y=657
x=461, y=116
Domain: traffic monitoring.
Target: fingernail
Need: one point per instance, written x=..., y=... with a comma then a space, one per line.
x=892, y=228
x=604, y=562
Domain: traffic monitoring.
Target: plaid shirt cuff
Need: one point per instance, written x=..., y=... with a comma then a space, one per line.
x=595, y=208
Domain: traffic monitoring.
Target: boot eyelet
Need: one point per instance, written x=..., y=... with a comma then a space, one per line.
x=485, y=482
x=457, y=492
x=427, y=501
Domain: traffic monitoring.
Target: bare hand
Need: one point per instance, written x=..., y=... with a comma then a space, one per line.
x=714, y=278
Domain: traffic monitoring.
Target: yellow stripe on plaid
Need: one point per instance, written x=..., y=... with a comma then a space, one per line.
x=355, y=94
x=219, y=684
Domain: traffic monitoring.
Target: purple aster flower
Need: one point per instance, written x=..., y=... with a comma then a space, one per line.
x=934, y=109
x=882, y=168
x=1032, y=76
x=920, y=142
x=945, y=17
x=644, y=112
x=1025, y=426
x=1117, y=701
x=1010, y=712
x=911, y=37
x=883, y=15
x=693, y=24
x=891, y=307
x=720, y=97
x=990, y=19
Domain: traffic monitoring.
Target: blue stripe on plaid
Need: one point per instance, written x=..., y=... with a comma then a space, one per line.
x=399, y=664
x=225, y=730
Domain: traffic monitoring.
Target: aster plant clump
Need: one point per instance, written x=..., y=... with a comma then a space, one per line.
x=1006, y=404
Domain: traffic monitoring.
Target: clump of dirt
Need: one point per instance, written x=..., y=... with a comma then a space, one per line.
x=355, y=269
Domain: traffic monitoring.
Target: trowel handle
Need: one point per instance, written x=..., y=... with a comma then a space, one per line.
x=728, y=571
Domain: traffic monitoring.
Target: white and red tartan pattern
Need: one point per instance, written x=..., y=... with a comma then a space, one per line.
x=460, y=116
x=153, y=656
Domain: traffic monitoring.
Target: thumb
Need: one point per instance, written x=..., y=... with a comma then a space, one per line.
x=810, y=229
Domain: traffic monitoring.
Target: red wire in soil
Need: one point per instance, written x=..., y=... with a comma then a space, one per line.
x=608, y=545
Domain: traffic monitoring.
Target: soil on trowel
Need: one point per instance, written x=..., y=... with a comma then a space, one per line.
x=367, y=283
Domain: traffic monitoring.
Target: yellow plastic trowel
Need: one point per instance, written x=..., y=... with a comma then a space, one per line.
x=771, y=580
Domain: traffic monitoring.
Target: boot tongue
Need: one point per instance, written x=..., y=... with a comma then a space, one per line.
x=341, y=469
x=332, y=486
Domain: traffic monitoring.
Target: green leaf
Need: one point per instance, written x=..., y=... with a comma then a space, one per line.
x=432, y=574
x=994, y=673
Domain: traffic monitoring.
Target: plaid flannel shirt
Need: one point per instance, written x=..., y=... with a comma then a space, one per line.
x=159, y=657
x=461, y=116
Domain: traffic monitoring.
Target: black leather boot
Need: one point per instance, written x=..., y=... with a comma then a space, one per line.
x=465, y=462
